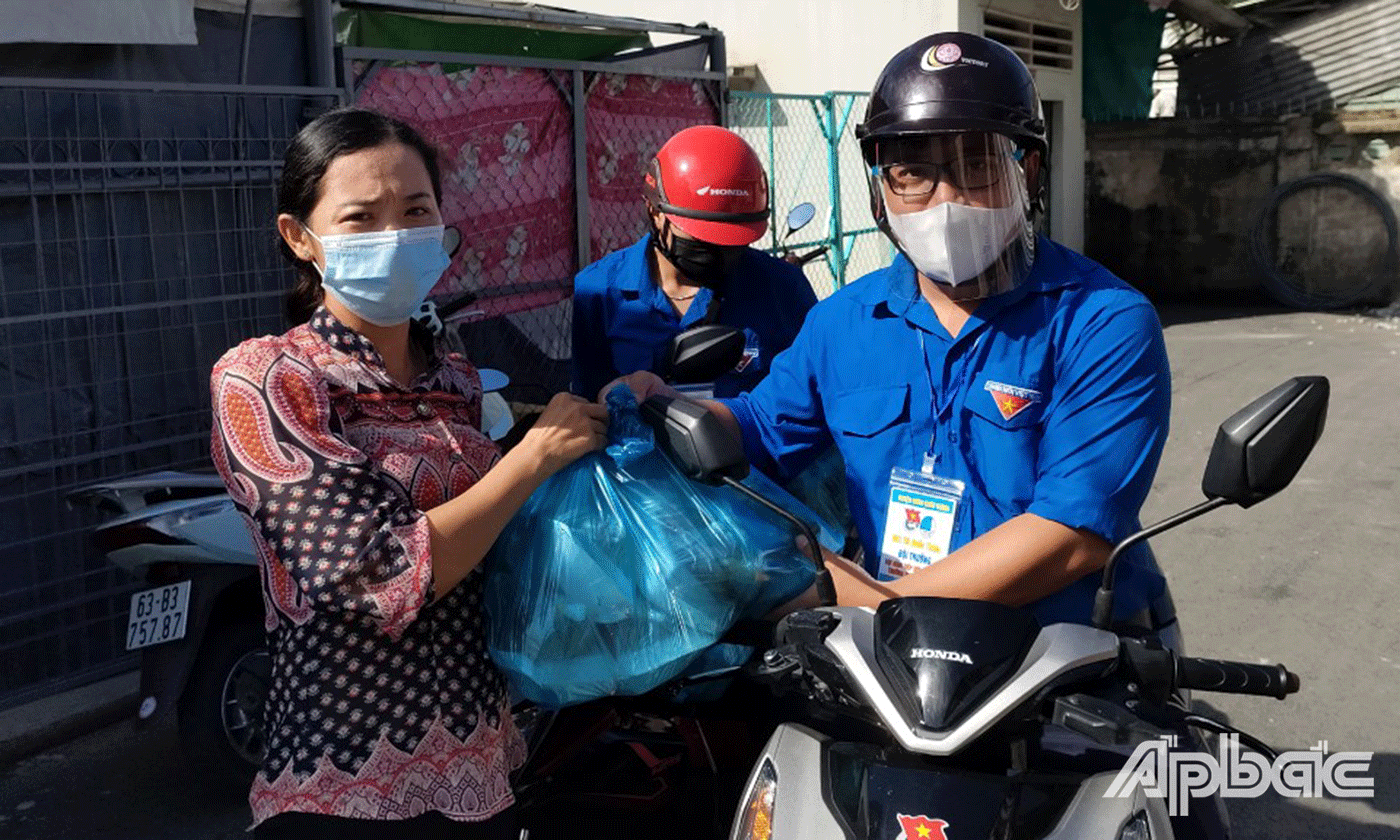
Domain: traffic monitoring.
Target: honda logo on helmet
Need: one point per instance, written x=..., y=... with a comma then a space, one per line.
x=709, y=190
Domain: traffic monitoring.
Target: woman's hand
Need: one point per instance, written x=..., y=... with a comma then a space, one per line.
x=569, y=428
x=643, y=383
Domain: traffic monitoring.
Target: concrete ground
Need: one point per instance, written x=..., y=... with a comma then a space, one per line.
x=1308, y=578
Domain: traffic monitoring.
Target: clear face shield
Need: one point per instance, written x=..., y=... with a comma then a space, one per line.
x=958, y=207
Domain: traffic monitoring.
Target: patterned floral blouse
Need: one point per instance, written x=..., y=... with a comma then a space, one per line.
x=383, y=703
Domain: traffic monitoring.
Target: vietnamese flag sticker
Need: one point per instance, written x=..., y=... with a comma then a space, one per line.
x=921, y=828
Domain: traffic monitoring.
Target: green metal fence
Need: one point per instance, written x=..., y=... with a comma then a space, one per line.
x=809, y=148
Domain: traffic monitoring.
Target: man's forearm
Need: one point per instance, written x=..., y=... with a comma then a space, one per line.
x=1020, y=561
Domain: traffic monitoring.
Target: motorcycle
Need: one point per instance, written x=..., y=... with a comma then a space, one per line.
x=933, y=718
x=199, y=622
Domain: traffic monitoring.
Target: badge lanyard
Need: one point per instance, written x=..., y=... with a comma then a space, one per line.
x=923, y=505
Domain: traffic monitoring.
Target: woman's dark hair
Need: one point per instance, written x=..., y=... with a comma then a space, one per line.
x=335, y=133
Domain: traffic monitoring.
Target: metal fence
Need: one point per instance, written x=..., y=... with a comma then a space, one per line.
x=809, y=148
x=135, y=247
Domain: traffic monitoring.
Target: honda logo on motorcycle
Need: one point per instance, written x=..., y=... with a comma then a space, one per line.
x=921, y=828
x=935, y=653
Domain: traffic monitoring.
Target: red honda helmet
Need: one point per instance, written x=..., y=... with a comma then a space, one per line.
x=710, y=184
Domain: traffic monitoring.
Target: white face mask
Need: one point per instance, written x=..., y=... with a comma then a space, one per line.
x=953, y=243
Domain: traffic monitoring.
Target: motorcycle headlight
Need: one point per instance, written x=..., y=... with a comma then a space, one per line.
x=1137, y=828
x=756, y=821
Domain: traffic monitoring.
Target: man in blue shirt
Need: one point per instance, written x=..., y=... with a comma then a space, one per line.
x=707, y=200
x=1000, y=401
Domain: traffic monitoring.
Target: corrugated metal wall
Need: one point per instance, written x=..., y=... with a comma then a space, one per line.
x=1314, y=62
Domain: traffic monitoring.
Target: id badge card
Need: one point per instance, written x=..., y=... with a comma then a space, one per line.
x=919, y=521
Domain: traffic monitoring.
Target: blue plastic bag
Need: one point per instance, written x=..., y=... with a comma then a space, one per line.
x=619, y=571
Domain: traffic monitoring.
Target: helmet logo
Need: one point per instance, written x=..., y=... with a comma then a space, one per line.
x=946, y=55
x=709, y=190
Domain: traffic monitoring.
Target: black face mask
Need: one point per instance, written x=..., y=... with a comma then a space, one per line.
x=699, y=262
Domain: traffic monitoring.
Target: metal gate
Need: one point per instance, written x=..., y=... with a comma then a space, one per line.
x=135, y=248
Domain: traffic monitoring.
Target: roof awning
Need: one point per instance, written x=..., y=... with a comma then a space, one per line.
x=1211, y=14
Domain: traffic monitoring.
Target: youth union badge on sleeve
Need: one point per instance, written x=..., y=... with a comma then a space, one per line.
x=1010, y=399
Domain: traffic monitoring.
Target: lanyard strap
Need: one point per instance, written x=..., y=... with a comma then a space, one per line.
x=942, y=410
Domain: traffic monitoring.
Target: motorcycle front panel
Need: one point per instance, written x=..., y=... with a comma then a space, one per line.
x=836, y=790
x=944, y=656
x=882, y=799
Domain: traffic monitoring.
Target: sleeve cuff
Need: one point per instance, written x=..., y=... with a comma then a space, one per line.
x=398, y=600
x=1094, y=515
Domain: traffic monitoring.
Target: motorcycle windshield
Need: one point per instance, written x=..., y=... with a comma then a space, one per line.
x=943, y=657
x=881, y=800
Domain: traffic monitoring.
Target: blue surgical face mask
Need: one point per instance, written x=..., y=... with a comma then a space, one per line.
x=383, y=276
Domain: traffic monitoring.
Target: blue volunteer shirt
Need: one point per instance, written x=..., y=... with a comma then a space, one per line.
x=1053, y=400
x=622, y=319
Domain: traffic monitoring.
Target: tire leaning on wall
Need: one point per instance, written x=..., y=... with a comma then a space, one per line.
x=1292, y=291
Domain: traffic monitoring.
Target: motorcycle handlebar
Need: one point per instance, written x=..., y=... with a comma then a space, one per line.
x=802, y=259
x=1235, y=677
x=1160, y=671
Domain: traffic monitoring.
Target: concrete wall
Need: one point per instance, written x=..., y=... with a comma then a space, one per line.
x=1172, y=202
x=811, y=46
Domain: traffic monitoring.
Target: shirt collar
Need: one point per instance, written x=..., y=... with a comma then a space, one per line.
x=897, y=288
x=634, y=274
x=346, y=340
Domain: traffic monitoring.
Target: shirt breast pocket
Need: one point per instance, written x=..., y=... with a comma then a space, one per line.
x=1004, y=424
x=871, y=429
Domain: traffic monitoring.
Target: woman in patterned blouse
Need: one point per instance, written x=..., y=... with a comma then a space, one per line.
x=352, y=445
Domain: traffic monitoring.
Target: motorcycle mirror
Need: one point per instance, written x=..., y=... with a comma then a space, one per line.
x=1256, y=453
x=799, y=216
x=695, y=440
x=1259, y=450
x=702, y=354
x=700, y=446
x=492, y=379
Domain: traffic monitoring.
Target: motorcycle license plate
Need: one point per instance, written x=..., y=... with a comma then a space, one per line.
x=158, y=615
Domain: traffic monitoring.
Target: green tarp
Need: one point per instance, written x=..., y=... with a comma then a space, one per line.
x=1122, y=40
x=388, y=30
